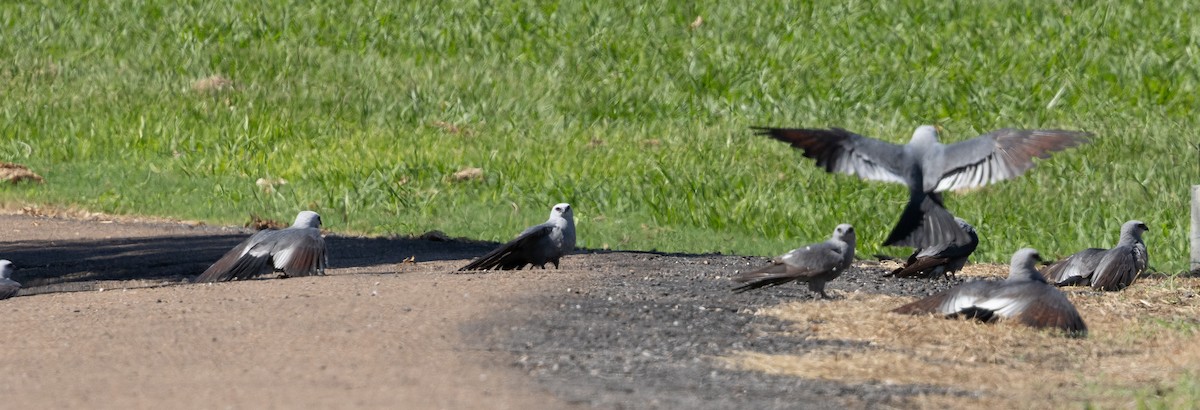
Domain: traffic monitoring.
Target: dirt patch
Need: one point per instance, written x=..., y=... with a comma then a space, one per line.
x=376, y=332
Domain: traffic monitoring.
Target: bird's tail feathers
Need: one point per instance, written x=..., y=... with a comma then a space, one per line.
x=925, y=223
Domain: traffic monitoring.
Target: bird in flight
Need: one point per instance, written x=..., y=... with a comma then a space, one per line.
x=928, y=168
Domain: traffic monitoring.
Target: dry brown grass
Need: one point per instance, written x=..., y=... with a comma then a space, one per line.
x=17, y=173
x=259, y=223
x=1139, y=339
x=213, y=84
x=81, y=214
x=468, y=174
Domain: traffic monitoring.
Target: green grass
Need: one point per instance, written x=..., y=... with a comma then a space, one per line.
x=619, y=108
x=1184, y=394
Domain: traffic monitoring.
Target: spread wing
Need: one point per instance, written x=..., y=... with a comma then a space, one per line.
x=1116, y=269
x=245, y=260
x=1001, y=154
x=1033, y=304
x=9, y=288
x=515, y=253
x=950, y=302
x=299, y=252
x=841, y=151
x=1075, y=269
x=1037, y=305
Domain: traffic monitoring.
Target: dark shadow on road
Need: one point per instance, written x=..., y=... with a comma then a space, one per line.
x=80, y=265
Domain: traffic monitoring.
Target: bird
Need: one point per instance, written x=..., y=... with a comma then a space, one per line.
x=815, y=263
x=8, y=287
x=537, y=245
x=1024, y=296
x=941, y=260
x=1105, y=269
x=298, y=250
x=928, y=168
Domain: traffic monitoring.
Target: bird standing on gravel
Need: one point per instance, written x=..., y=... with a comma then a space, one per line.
x=941, y=260
x=536, y=245
x=1024, y=296
x=1105, y=269
x=816, y=264
x=928, y=168
x=298, y=250
x=8, y=287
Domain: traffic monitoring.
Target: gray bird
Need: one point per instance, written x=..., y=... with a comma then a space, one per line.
x=941, y=260
x=8, y=287
x=928, y=168
x=536, y=245
x=1024, y=296
x=298, y=250
x=1105, y=269
x=815, y=263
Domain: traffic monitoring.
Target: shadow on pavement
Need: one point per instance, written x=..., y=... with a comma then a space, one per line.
x=82, y=265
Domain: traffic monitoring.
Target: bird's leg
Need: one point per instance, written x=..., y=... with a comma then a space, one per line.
x=819, y=287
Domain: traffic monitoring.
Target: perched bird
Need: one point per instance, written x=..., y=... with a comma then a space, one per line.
x=928, y=168
x=1024, y=296
x=536, y=245
x=1105, y=269
x=298, y=250
x=8, y=287
x=816, y=264
x=941, y=260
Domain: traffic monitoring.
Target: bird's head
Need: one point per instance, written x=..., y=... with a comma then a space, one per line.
x=925, y=134
x=562, y=210
x=844, y=233
x=6, y=269
x=1023, y=266
x=307, y=219
x=1134, y=229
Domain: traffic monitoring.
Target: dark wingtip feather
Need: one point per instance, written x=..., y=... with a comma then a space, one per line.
x=762, y=283
x=220, y=270
x=918, y=269
x=1052, y=310
x=501, y=258
x=924, y=306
